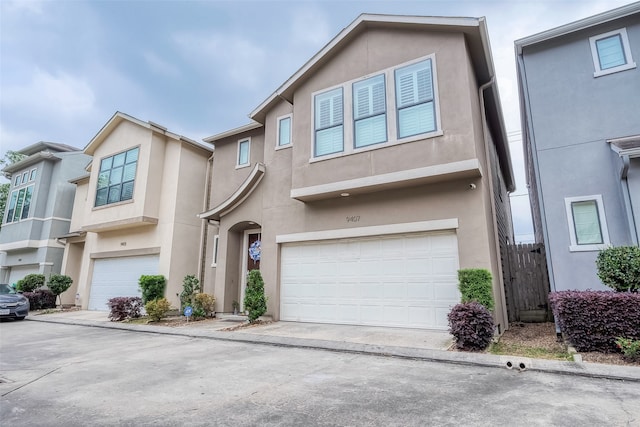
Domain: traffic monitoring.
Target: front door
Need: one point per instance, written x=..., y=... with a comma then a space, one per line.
x=250, y=258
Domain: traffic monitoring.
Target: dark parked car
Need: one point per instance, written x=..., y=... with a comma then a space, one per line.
x=12, y=304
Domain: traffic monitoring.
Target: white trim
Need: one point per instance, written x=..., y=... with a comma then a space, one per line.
x=233, y=132
x=348, y=137
x=245, y=260
x=43, y=264
x=376, y=230
x=471, y=166
x=278, y=120
x=243, y=165
x=31, y=174
x=214, y=255
x=622, y=32
x=31, y=244
x=574, y=247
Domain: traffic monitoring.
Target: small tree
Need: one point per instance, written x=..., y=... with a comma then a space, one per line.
x=30, y=282
x=475, y=285
x=255, y=302
x=619, y=268
x=152, y=287
x=59, y=283
x=190, y=285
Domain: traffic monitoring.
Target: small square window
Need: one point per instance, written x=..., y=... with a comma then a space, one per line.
x=611, y=53
x=587, y=225
x=284, y=131
x=244, y=152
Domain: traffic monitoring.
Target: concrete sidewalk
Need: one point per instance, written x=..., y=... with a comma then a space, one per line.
x=395, y=342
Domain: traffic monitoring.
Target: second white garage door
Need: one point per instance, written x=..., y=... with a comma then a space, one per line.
x=399, y=280
x=118, y=277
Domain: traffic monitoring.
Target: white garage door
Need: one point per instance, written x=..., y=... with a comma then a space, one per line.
x=118, y=277
x=18, y=272
x=405, y=280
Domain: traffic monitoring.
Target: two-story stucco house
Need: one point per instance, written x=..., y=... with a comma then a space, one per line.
x=579, y=90
x=135, y=212
x=38, y=209
x=367, y=179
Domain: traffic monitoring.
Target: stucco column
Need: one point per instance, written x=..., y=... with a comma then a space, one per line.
x=4, y=275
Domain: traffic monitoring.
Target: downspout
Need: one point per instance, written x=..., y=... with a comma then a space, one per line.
x=496, y=237
x=633, y=230
x=536, y=170
x=204, y=229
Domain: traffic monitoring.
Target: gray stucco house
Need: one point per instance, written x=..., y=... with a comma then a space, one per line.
x=38, y=209
x=579, y=89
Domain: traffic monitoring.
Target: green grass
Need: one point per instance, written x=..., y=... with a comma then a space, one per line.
x=527, y=351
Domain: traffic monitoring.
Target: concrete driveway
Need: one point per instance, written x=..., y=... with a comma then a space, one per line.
x=56, y=374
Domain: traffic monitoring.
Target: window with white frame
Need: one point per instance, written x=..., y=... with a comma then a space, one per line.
x=407, y=90
x=284, y=131
x=116, y=177
x=16, y=181
x=244, y=152
x=32, y=176
x=329, y=130
x=216, y=241
x=369, y=111
x=611, y=52
x=19, y=204
x=587, y=223
x=25, y=177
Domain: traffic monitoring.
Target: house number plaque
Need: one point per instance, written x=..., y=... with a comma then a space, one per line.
x=354, y=218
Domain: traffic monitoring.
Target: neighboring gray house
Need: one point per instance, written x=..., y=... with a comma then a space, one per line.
x=38, y=209
x=580, y=103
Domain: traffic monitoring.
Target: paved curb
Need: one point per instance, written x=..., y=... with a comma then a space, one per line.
x=522, y=364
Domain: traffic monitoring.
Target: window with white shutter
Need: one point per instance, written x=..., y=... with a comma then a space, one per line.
x=415, y=99
x=329, y=132
x=369, y=111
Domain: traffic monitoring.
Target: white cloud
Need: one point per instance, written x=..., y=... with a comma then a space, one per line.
x=159, y=65
x=309, y=26
x=32, y=6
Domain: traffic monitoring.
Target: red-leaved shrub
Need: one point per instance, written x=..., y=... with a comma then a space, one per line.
x=40, y=299
x=472, y=326
x=594, y=319
x=121, y=308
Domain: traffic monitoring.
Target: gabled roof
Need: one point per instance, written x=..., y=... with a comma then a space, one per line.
x=237, y=131
x=601, y=18
x=474, y=29
x=37, y=152
x=119, y=117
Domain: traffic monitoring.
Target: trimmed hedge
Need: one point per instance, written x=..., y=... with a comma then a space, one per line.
x=121, y=308
x=40, y=299
x=30, y=282
x=594, y=319
x=152, y=287
x=472, y=326
x=619, y=268
x=475, y=285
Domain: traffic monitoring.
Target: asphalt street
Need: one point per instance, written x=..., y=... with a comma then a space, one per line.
x=54, y=374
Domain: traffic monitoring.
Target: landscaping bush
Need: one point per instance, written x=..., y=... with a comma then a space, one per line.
x=40, y=299
x=59, y=283
x=121, y=308
x=255, y=302
x=190, y=285
x=152, y=287
x=593, y=320
x=471, y=324
x=204, y=303
x=619, y=268
x=630, y=348
x=475, y=285
x=30, y=283
x=157, y=308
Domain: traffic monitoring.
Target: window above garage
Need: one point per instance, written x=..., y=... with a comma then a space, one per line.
x=116, y=177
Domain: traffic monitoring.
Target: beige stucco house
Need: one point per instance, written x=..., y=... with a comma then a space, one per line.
x=368, y=179
x=135, y=212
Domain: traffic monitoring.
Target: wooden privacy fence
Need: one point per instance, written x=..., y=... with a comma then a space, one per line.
x=526, y=282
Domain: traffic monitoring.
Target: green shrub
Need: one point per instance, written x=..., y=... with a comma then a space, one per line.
x=619, y=268
x=204, y=303
x=475, y=285
x=30, y=282
x=190, y=285
x=630, y=348
x=152, y=287
x=156, y=309
x=255, y=302
x=59, y=283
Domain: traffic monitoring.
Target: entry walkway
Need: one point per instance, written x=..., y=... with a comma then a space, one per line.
x=405, y=343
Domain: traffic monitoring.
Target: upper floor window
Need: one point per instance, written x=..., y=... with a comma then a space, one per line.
x=16, y=181
x=369, y=111
x=415, y=100
x=32, y=176
x=116, y=177
x=329, y=132
x=284, y=131
x=611, y=52
x=244, y=152
x=19, y=204
x=587, y=225
x=25, y=177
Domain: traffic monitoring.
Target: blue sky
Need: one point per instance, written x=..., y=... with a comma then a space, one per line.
x=200, y=67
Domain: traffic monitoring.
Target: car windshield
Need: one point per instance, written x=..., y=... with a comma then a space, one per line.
x=6, y=289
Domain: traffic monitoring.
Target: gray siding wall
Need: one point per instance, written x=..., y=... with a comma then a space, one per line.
x=573, y=115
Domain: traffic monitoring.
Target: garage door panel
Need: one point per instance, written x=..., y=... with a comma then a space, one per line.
x=403, y=280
